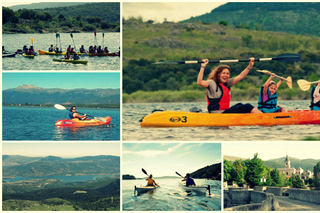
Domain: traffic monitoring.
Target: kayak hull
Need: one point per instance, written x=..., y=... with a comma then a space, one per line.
x=42, y=52
x=194, y=119
x=27, y=56
x=7, y=55
x=78, y=123
x=145, y=189
x=103, y=54
x=70, y=61
x=200, y=189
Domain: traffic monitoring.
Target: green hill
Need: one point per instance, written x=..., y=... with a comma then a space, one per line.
x=209, y=172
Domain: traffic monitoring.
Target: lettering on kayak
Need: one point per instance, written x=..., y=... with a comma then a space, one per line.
x=67, y=122
x=183, y=119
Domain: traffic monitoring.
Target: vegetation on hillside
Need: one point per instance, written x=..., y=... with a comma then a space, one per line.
x=80, y=18
x=210, y=172
x=145, y=43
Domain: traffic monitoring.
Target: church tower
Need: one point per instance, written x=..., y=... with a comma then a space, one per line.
x=287, y=162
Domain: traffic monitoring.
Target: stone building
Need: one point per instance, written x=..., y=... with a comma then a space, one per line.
x=288, y=171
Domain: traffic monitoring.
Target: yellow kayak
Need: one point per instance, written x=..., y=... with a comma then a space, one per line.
x=42, y=52
x=195, y=119
x=70, y=61
x=27, y=56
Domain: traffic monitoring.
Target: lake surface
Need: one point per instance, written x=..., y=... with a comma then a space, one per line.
x=132, y=113
x=12, y=42
x=57, y=177
x=171, y=197
x=37, y=123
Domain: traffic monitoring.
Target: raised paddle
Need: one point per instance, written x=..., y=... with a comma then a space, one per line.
x=60, y=107
x=286, y=57
x=288, y=80
x=179, y=174
x=73, y=42
x=305, y=85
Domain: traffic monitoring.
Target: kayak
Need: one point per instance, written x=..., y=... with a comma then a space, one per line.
x=6, y=55
x=201, y=189
x=27, y=56
x=144, y=189
x=78, y=123
x=197, y=119
x=42, y=52
x=70, y=61
x=103, y=54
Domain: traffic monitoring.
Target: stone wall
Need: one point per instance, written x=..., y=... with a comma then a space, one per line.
x=278, y=191
x=312, y=196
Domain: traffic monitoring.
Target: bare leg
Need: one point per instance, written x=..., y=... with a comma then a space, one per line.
x=255, y=110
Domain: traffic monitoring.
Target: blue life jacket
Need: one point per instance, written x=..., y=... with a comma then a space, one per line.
x=269, y=105
x=190, y=182
x=71, y=115
x=314, y=106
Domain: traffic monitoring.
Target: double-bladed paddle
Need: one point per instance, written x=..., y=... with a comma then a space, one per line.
x=179, y=174
x=286, y=57
x=288, y=80
x=305, y=85
x=60, y=107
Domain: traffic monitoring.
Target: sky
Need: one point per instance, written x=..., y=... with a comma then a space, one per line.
x=273, y=149
x=172, y=11
x=69, y=80
x=164, y=159
x=61, y=149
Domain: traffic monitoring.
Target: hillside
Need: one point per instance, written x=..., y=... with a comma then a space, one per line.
x=44, y=5
x=51, y=165
x=209, y=172
x=29, y=94
x=289, y=17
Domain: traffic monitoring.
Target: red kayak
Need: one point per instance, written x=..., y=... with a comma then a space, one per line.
x=79, y=123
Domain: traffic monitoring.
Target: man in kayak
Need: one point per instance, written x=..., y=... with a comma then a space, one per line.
x=315, y=98
x=151, y=182
x=50, y=48
x=189, y=180
x=73, y=114
x=218, y=87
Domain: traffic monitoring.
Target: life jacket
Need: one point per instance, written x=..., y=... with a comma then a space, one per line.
x=71, y=115
x=190, y=182
x=150, y=182
x=269, y=105
x=314, y=106
x=221, y=103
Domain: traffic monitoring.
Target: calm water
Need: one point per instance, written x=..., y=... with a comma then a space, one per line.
x=57, y=177
x=37, y=123
x=170, y=197
x=12, y=42
x=132, y=113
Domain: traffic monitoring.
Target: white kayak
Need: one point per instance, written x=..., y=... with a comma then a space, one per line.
x=201, y=189
x=144, y=189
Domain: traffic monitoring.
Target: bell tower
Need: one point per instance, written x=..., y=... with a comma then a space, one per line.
x=287, y=162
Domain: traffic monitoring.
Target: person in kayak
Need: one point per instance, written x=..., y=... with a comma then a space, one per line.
x=51, y=49
x=74, y=114
x=82, y=50
x=67, y=55
x=189, y=180
x=76, y=56
x=218, y=90
x=315, y=98
x=268, y=96
x=150, y=182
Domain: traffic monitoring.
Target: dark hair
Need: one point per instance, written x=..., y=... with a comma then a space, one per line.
x=72, y=108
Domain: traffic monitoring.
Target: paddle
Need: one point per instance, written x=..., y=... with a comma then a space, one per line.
x=32, y=41
x=286, y=57
x=179, y=174
x=287, y=80
x=305, y=85
x=75, y=49
x=95, y=37
x=102, y=40
x=60, y=107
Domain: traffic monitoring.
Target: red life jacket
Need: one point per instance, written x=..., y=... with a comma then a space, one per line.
x=221, y=103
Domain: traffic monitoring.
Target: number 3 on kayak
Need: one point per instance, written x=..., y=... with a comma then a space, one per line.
x=183, y=119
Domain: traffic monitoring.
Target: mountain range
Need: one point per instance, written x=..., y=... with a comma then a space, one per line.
x=306, y=164
x=17, y=165
x=290, y=17
x=30, y=94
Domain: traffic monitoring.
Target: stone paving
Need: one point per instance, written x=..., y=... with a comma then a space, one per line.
x=287, y=204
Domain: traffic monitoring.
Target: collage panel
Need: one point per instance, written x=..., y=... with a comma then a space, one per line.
x=61, y=106
x=60, y=176
x=271, y=176
x=61, y=36
x=171, y=177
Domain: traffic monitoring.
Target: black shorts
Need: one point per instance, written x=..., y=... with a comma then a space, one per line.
x=240, y=108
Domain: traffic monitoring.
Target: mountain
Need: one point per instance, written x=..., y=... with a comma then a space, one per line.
x=16, y=165
x=290, y=17
x=29, y=94
x=44, y=5
x=213, y=171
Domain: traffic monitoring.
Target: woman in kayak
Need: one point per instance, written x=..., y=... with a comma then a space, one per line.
x=82, y=50
x=74, y=114
x=268, y=96
x=315, y=98
x=189, y=180
x=150, y=182
x=218, y=87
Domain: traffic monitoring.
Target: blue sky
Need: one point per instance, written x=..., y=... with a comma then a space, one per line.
x=164, y=159
x=69, y=80
x=61, y=149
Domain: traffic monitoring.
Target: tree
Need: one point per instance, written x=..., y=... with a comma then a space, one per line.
x=276, y=177
x=240, y=171
x=316, y=179
x=254, y=171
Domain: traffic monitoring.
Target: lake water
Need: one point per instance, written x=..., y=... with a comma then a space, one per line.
x=12, y=42
x=170, y=197
x=57, y=177
x=132, y=113
x=37, y=123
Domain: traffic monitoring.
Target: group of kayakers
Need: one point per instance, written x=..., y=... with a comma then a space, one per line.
x=187, y=178
x=28, y=51
x=218, y=91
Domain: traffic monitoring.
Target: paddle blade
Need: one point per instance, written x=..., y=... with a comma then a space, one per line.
x=179, y=174
x=288, y=57
x=71, y=35
x=95, y=33
x=60, y=107
x=303, y=84
x=144, y=171
x=31, y=40
x=265, y=71
x=289, y=82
